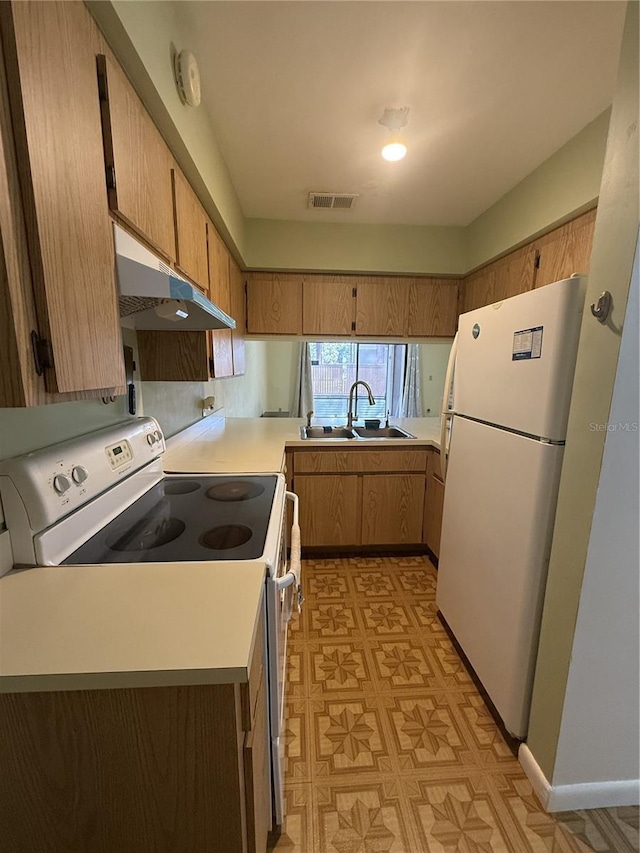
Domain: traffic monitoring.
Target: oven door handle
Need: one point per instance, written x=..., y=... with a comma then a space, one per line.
x=294, y=575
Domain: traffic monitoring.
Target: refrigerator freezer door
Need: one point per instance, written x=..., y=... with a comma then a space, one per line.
x=499, y=509
x=516, y=360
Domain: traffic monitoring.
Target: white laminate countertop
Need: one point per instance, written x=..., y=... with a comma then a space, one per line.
x=257, y=445
x=157, y=624
x=119, y=625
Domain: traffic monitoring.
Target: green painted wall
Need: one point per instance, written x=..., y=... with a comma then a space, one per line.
x=143, y=34
x=566, y=183
x=614, y=246
x=279, y=244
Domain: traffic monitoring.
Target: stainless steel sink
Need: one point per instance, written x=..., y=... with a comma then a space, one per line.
x=383, y=432
x=326, y=432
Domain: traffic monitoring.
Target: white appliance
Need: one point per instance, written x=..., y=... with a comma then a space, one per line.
x=104, y=498
x=506, y=397
x=153, y=296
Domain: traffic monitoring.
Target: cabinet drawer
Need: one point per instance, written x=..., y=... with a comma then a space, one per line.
x=357, y=461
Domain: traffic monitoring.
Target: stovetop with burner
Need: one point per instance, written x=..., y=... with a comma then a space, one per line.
x=183, y=519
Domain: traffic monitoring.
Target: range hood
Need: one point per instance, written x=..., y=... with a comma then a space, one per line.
x=155, y=297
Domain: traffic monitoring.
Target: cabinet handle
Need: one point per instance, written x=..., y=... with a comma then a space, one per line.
x=42, y=352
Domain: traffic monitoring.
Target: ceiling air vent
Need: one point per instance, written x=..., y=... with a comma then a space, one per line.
x=332, y=201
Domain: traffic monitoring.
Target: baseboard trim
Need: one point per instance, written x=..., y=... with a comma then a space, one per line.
x=587, y=795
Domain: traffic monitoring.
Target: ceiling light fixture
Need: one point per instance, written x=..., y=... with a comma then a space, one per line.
x=395, y=120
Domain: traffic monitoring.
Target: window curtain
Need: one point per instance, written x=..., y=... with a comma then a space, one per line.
x=303, y=385
x=411, y=402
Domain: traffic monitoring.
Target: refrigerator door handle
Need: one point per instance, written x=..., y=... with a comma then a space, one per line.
x=446, y=411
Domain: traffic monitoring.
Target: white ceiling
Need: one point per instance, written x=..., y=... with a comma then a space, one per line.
x=295, y=90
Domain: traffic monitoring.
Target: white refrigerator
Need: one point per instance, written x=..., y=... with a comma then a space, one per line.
x=506, y=408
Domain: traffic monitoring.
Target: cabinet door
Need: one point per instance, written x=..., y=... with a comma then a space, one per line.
x=257, y=775
x=433, y=308
x=50, y=65
x=382, y=307
x=238, y=312
x=566, y=250
x=514, y=274
x=138, y=161
x=274, y=305
x=191, y=232
x=434, y=503
x=221, y=340
x=328, y=307
x=173, y=356
x=478, y=290
x=329, y=509
x=392, y=508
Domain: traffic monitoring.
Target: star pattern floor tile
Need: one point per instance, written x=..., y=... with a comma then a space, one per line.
x=390, y=747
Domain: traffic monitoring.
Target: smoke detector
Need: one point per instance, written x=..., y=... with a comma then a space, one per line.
x=332, y=201
x=187, y=76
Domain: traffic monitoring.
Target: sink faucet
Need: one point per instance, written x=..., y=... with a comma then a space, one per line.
x=372, y=402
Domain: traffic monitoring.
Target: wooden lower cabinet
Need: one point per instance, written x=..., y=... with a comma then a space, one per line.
x=163, y=769
x=392, y=508
x=330, y=508
x=433, y=505
x=353, y=498
x=257, y=777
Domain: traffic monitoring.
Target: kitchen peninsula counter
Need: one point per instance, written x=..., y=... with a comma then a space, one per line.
x=128, y=625
x=257, y=445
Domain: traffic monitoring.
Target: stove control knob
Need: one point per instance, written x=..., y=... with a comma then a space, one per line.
x=79, y=474
x=61, y=483
x=151, y=439
x=158, y=435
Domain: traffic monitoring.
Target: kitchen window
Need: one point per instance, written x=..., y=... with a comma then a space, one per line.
x=336, y=365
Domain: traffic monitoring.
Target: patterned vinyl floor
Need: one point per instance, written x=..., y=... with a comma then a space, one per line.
x=389, y=746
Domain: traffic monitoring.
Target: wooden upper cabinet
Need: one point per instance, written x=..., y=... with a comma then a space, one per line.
x=49, y=51
x=477, y=290
x=514, y=274
x=433, y=308
x=221, y=340
x=566, y=250
x=328, y=306
x=558, y=254
x=173, y=356
x=382, y=306
x=191, y=232
x=137, y=159
x=219, y=285
x=274, y=304
x=238, y=312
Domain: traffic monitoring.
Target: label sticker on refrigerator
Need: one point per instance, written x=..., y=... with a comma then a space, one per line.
x=527, y=344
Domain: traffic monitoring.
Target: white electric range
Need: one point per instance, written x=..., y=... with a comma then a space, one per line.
x=103, y=498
